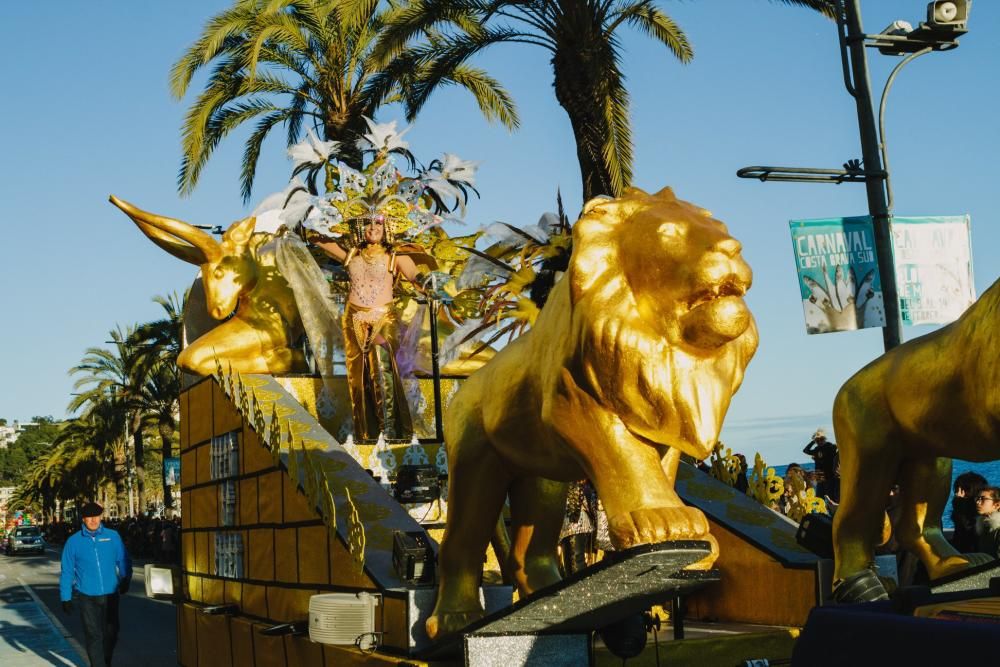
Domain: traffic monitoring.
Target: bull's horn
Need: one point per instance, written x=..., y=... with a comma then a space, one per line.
x=176, y=237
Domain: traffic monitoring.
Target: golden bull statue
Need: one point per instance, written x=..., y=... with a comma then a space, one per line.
x=632, y=361
x=238, y=274
x=901, y=419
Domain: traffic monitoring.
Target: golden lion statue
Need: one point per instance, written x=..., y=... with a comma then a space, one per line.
x=632, y=361
x=902, y=419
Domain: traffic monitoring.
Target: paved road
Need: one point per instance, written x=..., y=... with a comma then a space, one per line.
x=148, y=627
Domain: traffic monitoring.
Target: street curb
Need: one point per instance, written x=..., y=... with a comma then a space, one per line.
x=66, y=634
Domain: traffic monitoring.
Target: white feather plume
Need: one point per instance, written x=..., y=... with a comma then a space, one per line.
x=536, y=232
x=452, y=347
x=501, y=233
x=476, y=270
x=277, y=199
x=549, y=223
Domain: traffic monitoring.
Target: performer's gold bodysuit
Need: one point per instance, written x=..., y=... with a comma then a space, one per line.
x=371, y=336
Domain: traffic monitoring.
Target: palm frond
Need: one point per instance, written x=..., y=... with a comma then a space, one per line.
x=827, y=8
x=221, y=123
x=493, y=100
x=442, y=59
x=645, y=16
x=223, y=86
x=355, y=14
x=296, y=114
x=221, y=34
x=617, y=148
x=421, y=17
x=251, y=152
x=273, y=28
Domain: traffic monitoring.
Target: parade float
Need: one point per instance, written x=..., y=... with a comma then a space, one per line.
x=431, y=539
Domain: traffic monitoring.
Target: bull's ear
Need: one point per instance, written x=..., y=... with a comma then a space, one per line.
x=667, y=194
x=239, y=232
x=599, y=200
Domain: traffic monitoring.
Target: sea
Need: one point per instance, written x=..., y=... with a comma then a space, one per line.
x=990, y=470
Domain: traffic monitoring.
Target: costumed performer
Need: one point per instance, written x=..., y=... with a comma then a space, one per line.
x=371, y=327
x=370, y=221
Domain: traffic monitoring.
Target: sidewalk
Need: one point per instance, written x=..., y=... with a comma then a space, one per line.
x=28, y=637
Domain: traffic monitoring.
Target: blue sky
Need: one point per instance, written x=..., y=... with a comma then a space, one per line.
x=87, y=113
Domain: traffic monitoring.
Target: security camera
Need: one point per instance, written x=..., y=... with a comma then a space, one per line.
x=948, y=14
x=898, y=29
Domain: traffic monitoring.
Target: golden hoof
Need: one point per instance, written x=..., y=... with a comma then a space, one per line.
x=442, y=624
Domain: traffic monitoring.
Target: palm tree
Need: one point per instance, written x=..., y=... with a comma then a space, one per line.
x=300, y=62
x=582, y=38
x=92, y=451
x=161, y=340
x=115, y=379
x=23, y=498
x=159, y=343
x=159, y=400
x=38, y=488
x=71, y=469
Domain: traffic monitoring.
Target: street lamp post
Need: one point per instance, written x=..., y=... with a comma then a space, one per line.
x=875, y=175
x=946, y=22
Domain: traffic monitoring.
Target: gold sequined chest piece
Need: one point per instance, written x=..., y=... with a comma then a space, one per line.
x=370, y=278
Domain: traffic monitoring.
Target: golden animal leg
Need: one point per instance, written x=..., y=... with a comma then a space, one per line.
x=640, y=501
x=923, y=488
x=870, y=456
x=476, y=492
x=669, y=463
x=537, y=508
x=249, y=348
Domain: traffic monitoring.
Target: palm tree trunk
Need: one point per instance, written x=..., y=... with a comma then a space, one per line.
x=121, y=492
x=336, y=129
x=140, y=463
x=580, y=94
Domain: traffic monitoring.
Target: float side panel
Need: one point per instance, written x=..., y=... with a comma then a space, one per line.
x=200, y=412
x=755, y=588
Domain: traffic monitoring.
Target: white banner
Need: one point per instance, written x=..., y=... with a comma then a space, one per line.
x=933, y=258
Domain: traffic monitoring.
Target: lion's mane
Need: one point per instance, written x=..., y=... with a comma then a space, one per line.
x=636, y=360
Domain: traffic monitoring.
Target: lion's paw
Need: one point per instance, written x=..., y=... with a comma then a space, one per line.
x=646, y=526
x=444, y=623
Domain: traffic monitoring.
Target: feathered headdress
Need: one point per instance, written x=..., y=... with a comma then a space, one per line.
x=406, y=205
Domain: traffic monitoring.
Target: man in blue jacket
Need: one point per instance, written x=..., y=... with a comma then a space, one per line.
x=96, y=569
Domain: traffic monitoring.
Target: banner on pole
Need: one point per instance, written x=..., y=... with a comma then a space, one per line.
x=838, y=274
x=933, y=257
x=172, y=470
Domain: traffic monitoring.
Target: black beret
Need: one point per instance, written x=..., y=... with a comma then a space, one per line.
x=91, y=509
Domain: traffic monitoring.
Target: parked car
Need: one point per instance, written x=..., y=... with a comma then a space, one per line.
x=24, y=538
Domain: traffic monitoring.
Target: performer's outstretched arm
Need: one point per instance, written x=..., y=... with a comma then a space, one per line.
x=408, y=268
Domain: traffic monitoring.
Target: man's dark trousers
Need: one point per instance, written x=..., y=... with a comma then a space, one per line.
x=99, y=614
